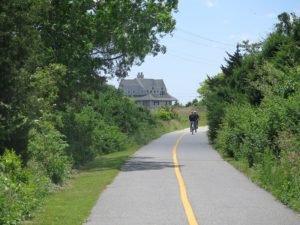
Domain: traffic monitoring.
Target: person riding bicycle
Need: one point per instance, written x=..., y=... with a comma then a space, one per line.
x=192, y=119
x=196, y=119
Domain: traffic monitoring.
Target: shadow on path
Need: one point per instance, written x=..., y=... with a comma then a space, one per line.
x=145, y=163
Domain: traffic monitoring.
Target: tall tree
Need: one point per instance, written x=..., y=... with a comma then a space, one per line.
x=103, y=38
x=92, y=39
x=20, y=53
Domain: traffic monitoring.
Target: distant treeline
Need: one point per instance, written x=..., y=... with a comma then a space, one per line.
x=254, y=108
x=56, y=111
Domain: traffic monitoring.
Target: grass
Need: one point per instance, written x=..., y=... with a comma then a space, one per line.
x=243, y=167
x=72, y=205
x=253, y=175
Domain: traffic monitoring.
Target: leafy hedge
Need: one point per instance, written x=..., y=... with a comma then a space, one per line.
x=254, y=109
x=268, y=138
x=46, y=148
x=166, y=113
x=92, y=124
x=20, y=188
x=89, y=135
x=56, y=110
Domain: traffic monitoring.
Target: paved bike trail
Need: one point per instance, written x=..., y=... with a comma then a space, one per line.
x=146, y=191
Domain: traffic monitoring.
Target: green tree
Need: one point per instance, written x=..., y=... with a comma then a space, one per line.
x=47, y=148
x=96, y=38
x=20, y=54
x=91, y=39
x=253, y=108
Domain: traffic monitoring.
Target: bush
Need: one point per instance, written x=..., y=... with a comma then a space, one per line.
x=166, y=113
x=89, y=135
x=47, y=148
x=268, y=138
x=254, y=109
x=243, y=134
x=287, y=171
x=107, y=139
x=20, y=189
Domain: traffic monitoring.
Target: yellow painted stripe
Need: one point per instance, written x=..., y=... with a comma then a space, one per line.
x=183, y=194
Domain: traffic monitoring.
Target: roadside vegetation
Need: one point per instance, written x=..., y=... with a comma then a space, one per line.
x=253, y=110
x=82, y=190
x=57, y=113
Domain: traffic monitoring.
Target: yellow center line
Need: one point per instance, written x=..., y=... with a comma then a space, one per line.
x=183, y=194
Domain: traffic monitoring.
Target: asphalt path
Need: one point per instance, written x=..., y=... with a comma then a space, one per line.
x=148, y=190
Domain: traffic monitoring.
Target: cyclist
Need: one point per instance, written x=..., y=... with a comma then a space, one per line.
x=192, y=119
x=196, y=116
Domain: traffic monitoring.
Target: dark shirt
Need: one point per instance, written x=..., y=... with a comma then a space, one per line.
x=193, y=117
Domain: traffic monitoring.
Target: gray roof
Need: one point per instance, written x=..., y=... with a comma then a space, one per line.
x=151, y=97
x=145, y=89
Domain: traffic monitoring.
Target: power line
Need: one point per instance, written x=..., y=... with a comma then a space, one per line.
x=193, y=56
x=201, y=44
x=204, y=38
x=191, y=59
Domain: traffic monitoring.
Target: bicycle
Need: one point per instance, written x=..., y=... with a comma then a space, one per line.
x=193, y=127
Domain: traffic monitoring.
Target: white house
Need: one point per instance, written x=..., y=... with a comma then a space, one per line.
x=149, y=93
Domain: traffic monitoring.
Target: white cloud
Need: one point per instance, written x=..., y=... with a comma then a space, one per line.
x=211, y=3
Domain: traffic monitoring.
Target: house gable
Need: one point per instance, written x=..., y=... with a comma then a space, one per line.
x=147, y=92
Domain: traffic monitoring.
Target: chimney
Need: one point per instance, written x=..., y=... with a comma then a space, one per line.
x=140, y=75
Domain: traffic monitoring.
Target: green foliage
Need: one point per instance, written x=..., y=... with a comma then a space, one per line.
x=166, y=113
x=99, y=123
x=254, y=109
x=55, y=108
x=194, y=103
x=86, y=38
x=89, y=135
x=124, y=114
x=90, y=36
x=20, y=189
x=47, y=148
x=20, y=52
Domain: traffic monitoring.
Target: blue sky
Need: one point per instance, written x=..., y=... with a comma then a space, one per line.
x=205, y=30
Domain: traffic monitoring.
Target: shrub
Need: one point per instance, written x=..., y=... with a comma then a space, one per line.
x=20, y=189
x=107, y=139
x=243, y=133
x=47, y=148
x=166, y=113
x=89, y=135
x=268, y=138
